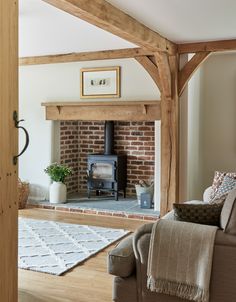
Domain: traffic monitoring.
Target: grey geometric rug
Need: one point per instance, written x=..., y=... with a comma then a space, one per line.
x=55, y=247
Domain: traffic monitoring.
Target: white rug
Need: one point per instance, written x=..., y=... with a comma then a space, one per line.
x=54, y=247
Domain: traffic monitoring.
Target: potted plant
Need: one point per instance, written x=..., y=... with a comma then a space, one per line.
x=58, y=174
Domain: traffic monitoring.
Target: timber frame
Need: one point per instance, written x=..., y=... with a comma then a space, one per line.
x=159, y=57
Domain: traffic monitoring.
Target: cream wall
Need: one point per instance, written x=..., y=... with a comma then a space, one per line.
x=183, y=138
x=212, y=122
x=207, y=138
x=57, y=82
x=194, y=136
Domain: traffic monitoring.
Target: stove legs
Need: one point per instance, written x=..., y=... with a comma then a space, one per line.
x=114, y=193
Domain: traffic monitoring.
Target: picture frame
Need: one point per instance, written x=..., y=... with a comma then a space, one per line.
x=100, y=82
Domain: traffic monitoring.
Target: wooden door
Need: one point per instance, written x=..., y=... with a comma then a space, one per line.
x=8, y=148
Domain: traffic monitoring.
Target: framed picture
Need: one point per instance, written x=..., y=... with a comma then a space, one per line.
x=100, y=82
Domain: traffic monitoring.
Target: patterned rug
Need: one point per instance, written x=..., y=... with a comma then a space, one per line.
x=54, y=247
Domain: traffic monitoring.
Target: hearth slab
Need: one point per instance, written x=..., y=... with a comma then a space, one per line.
x=123, y=205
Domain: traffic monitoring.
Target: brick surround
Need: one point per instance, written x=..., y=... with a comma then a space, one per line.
x=69, y=152
x=135, y=139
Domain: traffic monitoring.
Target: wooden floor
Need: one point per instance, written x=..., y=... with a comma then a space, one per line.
x=88, y=282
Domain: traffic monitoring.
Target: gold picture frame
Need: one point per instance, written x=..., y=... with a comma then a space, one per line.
x=100, y=82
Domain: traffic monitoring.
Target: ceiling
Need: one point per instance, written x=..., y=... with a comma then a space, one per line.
x=44, y=29
x=185, y=20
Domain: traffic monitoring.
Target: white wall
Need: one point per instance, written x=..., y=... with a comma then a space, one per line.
x=211, y=139
x=183, y=137
x=219, y=122
x=194, y=136
x=212, y=122
x=57, y=82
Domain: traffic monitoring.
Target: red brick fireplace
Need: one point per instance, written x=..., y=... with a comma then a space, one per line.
x=135, y=139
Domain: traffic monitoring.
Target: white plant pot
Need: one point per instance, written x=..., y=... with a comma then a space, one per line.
x=57, y=192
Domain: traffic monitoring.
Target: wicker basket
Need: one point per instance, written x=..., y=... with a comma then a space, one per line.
x=23, y=191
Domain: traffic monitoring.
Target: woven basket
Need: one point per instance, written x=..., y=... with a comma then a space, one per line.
x=23, y=191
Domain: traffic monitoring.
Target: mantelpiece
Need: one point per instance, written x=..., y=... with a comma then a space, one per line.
x=97, y=111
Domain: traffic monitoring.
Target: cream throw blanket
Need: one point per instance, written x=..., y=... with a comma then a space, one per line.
x=180, y=259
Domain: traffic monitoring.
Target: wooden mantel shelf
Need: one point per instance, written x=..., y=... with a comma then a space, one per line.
x=100, y=111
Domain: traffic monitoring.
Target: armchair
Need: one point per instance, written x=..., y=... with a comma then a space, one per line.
x=128, y=262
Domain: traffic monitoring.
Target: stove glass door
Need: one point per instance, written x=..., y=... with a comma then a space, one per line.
x=102, y=170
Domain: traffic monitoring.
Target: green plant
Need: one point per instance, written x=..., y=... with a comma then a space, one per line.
x=58, y=172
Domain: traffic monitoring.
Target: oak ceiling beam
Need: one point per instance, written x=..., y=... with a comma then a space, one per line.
x=85, y=56
x=213, y=46
x=151, y=68
x=106, y=16
x=189, y=68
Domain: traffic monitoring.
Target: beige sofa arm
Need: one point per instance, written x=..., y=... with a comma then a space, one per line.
x=141, y=232
x=121, y=260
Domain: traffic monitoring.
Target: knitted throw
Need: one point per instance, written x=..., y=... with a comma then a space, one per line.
x=180, y=259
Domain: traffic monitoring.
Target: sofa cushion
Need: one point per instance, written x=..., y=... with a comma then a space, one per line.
x=198, y=213
x=226, y=186
x=121, y=260
x=228, y=214
x=171, y=215
x=218, y=179
x=207, y=194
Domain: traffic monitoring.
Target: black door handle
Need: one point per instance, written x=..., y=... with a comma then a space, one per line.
x=15, y=118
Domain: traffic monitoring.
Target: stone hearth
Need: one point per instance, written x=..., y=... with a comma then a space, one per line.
x=126, y=208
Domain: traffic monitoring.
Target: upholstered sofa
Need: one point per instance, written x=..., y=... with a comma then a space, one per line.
x=128, y=262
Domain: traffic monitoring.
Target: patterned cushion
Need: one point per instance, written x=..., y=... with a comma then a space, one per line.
x=218, y=179
x=198, y=213
x=226, y=186
x=228, y=214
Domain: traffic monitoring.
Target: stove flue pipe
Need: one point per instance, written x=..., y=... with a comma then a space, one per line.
x=109, y=138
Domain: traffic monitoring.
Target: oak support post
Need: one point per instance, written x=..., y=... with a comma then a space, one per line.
x=169, y=136
x=163, y=64
x=164, y=71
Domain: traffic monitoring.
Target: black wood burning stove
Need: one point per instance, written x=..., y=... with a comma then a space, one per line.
x=107, y=172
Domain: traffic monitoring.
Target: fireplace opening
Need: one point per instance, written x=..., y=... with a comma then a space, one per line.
x=135, y=140
x=133, y=145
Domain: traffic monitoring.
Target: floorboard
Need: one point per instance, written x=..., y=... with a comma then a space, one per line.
x=88, y=282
